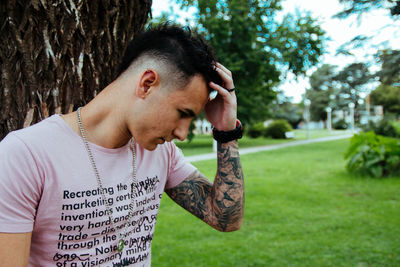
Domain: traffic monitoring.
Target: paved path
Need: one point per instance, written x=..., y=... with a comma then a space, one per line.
x=248, y=150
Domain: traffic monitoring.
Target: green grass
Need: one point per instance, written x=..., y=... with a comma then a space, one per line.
x=302, y=209
x=202, y=144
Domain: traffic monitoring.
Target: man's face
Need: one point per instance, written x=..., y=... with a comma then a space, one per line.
x=168, y=114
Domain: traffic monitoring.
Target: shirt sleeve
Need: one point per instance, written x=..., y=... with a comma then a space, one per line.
x=180, y=168
x=20, y=186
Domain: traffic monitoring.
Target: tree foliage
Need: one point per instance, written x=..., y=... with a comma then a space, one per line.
x=336, y=89
x=390, y=68
x=56, y=55
x=360, y=7
x=322, y=87
x=387, y=93
x=352, y=80
x=257, y=48
x=388, y=96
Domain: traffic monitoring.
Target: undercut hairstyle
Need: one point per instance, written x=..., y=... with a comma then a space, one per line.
x=184, y=52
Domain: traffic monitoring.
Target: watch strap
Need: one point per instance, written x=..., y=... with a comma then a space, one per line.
x=227, y=136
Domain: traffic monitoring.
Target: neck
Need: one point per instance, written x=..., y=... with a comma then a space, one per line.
x=102, y=120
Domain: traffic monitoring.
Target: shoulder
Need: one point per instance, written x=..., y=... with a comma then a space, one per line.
x=43, y=129
x=36, y=131
x=49, y=131
x=37, y=144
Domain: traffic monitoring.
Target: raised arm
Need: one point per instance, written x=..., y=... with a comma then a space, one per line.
x=220, y=204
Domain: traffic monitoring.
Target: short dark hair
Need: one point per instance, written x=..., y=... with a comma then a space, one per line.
x=186, y=50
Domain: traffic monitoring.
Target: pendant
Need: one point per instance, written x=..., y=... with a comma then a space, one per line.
x=120, y=245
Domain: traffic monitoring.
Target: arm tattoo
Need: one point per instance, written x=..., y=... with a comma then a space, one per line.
x=221, y=204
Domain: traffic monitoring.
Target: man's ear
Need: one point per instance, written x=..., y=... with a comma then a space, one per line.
x=148, y=80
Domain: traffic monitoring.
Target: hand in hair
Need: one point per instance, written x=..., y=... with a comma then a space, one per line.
x=221, y=111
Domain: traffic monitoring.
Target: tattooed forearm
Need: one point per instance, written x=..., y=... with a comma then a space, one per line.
x=221, y=204
x=193, y=194
x=229, y=187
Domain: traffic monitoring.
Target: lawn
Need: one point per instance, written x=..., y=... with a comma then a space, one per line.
x=302, y=209
x=202, y=144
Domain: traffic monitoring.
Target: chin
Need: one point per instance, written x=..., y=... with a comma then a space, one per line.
x=146, y=145
x=150, y=146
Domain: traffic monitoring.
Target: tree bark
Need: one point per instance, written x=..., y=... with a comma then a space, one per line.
x=56, y=55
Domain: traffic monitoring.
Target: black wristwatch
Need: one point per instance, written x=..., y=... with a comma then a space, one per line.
x=227, y=136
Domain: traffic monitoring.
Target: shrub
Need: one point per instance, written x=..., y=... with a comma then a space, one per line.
x=382, y=127
x=373, y=155
x=340, y=125
x=396, y=125
x=277, y=129
x=256, y=130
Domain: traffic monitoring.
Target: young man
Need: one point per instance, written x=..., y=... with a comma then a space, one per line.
x=83, y=189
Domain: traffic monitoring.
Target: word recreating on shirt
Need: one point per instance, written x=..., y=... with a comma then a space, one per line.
x=87, y=193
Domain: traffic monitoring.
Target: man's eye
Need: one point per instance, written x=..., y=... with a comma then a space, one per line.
x=183, y=114
x=186, y=113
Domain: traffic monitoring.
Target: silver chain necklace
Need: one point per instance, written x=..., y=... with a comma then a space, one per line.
x=121, y=242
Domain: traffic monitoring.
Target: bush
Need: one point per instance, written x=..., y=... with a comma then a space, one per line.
x=396, y=125
x=340, y=125
x=373, y=155
x=382, y=127
x=256, y=130
x=277, y=129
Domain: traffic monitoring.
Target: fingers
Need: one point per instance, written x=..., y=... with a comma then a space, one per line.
x=221, y=90
x=222, y=67
x=226, y=76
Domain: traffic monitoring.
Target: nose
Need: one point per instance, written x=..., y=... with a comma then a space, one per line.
x=182, y=130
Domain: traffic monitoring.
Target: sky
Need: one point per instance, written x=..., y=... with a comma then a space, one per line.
x=339, y=31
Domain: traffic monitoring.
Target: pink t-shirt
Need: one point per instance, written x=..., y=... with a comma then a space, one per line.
x=48, y=186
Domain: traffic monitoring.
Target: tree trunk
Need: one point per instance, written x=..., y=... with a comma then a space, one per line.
x=56, y=55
